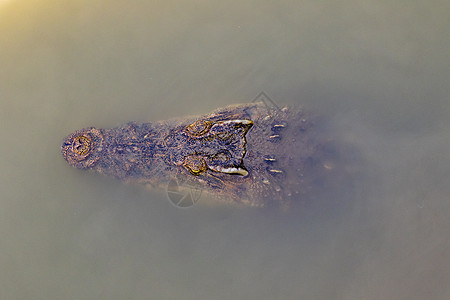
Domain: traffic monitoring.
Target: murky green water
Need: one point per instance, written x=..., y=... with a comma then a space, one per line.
x=378, y=70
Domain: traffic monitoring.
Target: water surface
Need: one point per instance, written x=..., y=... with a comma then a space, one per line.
x=378, y=71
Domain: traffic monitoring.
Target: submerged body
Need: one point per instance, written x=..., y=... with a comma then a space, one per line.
x=247, y=153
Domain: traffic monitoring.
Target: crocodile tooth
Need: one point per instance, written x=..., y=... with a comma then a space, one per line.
x=230, y=170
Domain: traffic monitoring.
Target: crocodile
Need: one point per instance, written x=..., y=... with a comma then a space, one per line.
x=246, y=153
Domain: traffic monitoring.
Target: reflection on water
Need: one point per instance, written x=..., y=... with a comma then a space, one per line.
x=377, y=72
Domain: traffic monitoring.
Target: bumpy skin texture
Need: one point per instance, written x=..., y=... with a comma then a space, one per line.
x=247, y=153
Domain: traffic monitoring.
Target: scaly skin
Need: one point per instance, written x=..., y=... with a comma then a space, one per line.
x=248, y=153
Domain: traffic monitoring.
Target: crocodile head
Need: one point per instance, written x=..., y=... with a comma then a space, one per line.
x=152, y=152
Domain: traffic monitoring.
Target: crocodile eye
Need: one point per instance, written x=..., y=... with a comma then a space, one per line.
x=195, y=164
x=81, y=145
x=198, y=128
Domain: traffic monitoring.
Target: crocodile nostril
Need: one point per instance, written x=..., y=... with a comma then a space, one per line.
x=81, y=145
